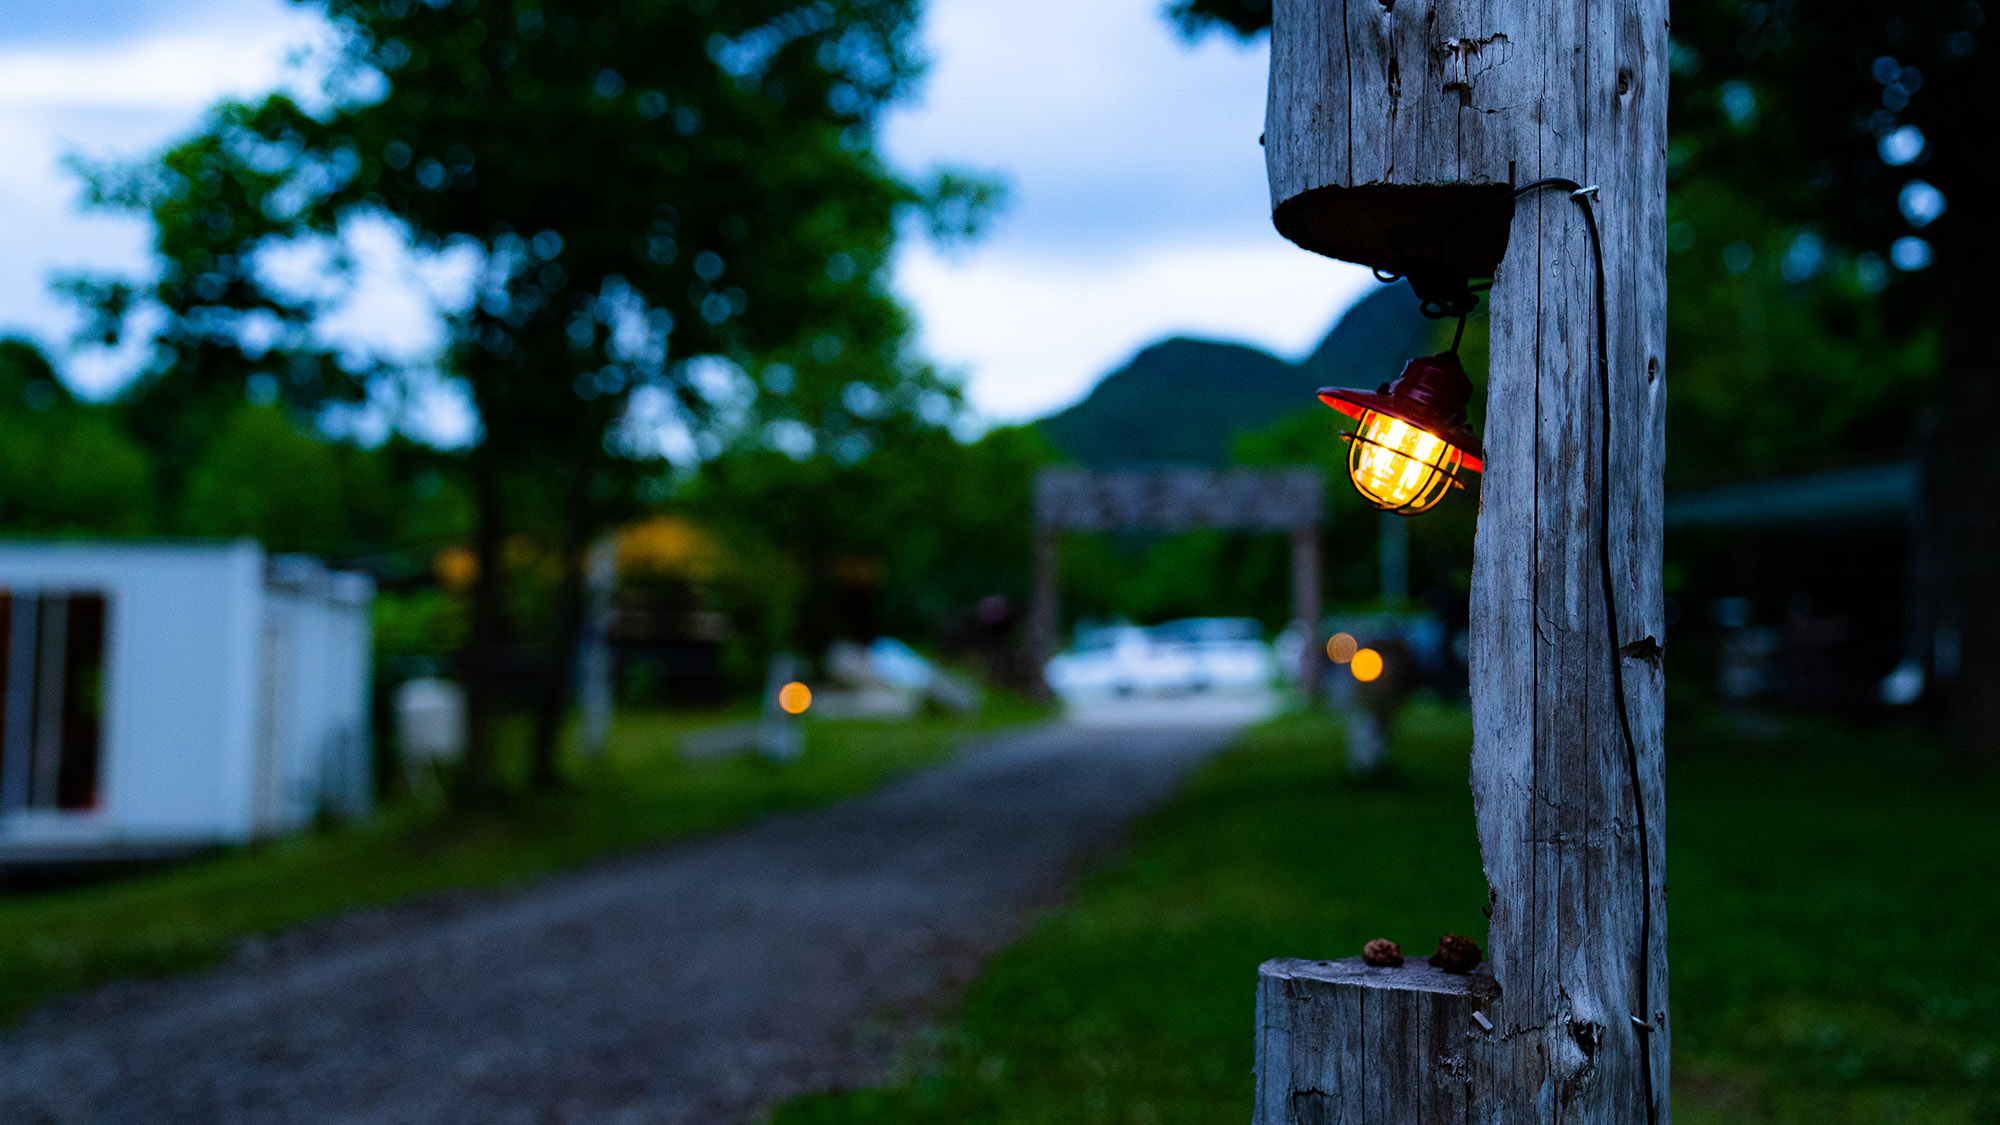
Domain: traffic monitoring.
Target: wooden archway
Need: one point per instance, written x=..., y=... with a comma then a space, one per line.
x=1172, y=501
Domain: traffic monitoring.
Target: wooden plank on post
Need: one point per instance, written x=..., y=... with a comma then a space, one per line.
x=1397, y=134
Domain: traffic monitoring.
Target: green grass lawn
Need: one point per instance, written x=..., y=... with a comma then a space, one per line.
x=1832, y=933
x=641, y=792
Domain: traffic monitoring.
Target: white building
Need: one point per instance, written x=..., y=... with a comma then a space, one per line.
x=159, y=695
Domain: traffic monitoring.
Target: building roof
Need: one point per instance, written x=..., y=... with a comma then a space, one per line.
x=1871, y=495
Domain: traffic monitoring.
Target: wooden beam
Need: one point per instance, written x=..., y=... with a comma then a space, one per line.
x=1396, y=135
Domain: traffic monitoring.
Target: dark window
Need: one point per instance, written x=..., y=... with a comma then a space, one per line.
x=51, y=699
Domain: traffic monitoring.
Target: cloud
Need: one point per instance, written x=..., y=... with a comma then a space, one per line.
x=1138, y=209
x=1111, y=128
x=166, y=75
x=119, y=96
x=1034, y=337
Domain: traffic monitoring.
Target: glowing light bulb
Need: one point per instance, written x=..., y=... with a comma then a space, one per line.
x=1413, y=439
x=1398, y=466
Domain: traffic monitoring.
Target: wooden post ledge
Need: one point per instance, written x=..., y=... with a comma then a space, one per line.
x=1343, y=1042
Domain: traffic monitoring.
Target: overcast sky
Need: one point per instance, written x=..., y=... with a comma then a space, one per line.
x=1137, y=201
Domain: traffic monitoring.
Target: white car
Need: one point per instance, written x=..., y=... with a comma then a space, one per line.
x=1223, y=653
x=1178, y=657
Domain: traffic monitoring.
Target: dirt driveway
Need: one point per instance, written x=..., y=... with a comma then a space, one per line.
x=698, y=983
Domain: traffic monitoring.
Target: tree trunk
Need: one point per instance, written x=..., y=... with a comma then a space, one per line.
x=1397, y=135
x=560, y=676
x=488, y=621
x=1964, y=462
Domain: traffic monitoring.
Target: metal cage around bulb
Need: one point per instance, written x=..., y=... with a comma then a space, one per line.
x=1412, y=441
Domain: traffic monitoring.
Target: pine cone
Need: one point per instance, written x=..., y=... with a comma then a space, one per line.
x=1383, y=954
x=1456, y=954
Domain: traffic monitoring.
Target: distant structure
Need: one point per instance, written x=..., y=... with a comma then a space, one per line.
x=162, y=696
x=1173, y=501
x=1818, y=588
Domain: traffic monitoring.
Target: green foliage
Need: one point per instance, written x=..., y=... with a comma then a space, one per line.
x=427, y=624
x=1771, y=373
x=1148, y=578
x=641, y=185
x=260, y=474
x=69, y=467
x=642, y=793
x=1828, y=960
x=66, y=467
x=1793, y=106
x=901, y=542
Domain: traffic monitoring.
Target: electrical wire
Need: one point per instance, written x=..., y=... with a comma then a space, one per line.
x=1641, y=1024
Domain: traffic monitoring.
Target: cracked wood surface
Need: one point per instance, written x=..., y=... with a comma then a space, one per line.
x=1393, y=125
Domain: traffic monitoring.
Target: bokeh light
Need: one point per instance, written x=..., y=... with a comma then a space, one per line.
x=795, y=697
x=1341, y=647
x=1366, y=665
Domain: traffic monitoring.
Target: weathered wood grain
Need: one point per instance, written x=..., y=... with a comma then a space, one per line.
x=1393, y=128
x=1343, y=1043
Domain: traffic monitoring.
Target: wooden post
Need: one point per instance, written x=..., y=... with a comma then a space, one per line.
x=1306, y=607
x=1044, y=618
x=594, y=694
x=1396, y=137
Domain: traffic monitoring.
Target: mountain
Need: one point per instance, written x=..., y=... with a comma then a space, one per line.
x=1178, y=400
x=1369, y=343
x=1184, y=401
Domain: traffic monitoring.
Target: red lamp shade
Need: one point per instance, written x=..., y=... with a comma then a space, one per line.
x=1413, y=439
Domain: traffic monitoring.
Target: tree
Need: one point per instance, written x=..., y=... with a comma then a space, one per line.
x=903, y=542
x=1868, y=128
x=673, y=215
x=66, y=467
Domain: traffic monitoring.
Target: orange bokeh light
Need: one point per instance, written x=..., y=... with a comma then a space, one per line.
x=795, y=697
x=1366, y=665
x=1340, y=648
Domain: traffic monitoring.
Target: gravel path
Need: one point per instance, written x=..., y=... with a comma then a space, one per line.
x=697, y=983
